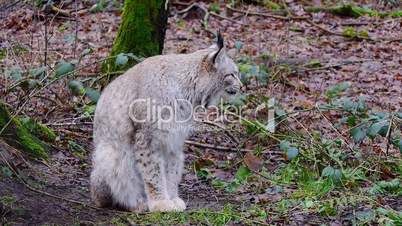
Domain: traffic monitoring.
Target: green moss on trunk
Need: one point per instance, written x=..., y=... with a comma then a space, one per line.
x=141, y=31
x=17, y=135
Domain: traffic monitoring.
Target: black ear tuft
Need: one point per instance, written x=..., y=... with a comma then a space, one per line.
x=219, y=42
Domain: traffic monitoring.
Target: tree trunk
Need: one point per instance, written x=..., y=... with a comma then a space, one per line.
x=24, y=133
x=141, y=32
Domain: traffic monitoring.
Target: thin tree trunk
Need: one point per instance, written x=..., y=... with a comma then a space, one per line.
x=141, y=32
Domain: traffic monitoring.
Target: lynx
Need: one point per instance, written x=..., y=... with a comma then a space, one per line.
x=138, y=160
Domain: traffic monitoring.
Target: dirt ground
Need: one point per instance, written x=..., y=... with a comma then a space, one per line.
x=373, y=68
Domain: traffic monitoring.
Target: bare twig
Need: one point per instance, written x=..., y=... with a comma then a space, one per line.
x=76, y=134
x=69, y=124
x=389, y=132
x=261, y=175
x=303, y=69
x=37, y=90
x=356, y=37
x=226, y=18
x=222, y=148
x=193, y=5
x=335, y=129
x=354, y=23
x=50, y=8
x=46, y=42
x=308, y=20
x=204, y=21
x=217, y=147
x=227, y=132
x=267, y=14
x=261, y=129
x=76, y=27
x=207, y=13
x=334, y=32
x=182, y=3
x=70, y=119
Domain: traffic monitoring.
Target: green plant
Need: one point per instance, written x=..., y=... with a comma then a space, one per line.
x=76, y=149
x=214, y=7
x=7, y=205
x=226, y=215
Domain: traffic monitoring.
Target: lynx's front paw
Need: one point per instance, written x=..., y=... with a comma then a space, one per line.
x=140, y=208
x=163, y=206
x=180, y=204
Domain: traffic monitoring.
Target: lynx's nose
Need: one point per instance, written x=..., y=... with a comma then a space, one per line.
x=232, y=84
x=232, y=91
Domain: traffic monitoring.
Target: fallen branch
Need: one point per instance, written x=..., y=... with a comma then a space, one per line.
x=375, y=39
x=182, y=3
x=267, y=14
x=69, y=124
x=224, y=129
x=354, y=23
x=217, y=147
x=340, y=135
x=224, y=148
x=308, y=20
x=389, y=132
x=336, y=33
x=204, y=21
x=226, y=18
x=50, y=8
x=207, y=13
x=303, y=69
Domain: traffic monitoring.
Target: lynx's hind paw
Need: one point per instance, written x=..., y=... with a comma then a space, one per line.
x=140, y=208
x=180, y=204
x=163, y=206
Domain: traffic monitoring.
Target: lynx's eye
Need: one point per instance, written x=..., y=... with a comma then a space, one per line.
x=230, y=75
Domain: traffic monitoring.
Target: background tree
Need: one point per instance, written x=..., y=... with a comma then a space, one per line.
x=141, y=32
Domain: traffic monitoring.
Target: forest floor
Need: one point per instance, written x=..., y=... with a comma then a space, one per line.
x=334, y=159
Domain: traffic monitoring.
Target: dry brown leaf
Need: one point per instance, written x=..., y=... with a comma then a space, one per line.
x=202, y=162
x=253, y=162
x=398, y=76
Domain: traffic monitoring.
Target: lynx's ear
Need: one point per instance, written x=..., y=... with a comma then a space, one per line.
x=217, y=55
x=219, y=43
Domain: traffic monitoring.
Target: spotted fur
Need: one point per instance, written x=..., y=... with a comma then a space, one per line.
x=139, y=166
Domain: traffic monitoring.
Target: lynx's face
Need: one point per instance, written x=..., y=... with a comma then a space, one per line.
x=229, y=73
x=224, y=75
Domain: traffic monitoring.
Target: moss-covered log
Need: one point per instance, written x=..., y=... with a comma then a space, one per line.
x=39, y=130
x=354, y=11
x=141, y=32
x=19, y=136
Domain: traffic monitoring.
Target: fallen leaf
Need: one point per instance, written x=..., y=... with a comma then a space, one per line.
x=398, y=76
x=253, y=162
